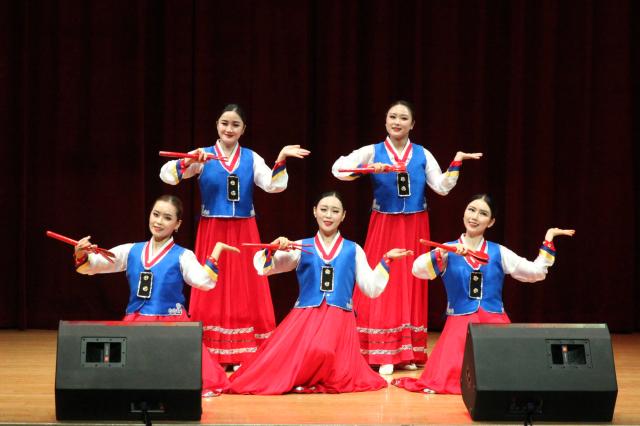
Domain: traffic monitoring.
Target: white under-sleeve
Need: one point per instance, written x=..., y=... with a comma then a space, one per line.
x=357, y=158
x=522, y=269
x=264, y=178
x=423, y=267
x=441, y=183
x=169, y=171
x=194, y=273
x=97, y=264
x=281, y=261
x=372, y=282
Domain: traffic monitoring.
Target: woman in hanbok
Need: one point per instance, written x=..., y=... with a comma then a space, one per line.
x=238, y=316
x=316, y=347
x=156, y=272
x=393, y=327
x=474, y=291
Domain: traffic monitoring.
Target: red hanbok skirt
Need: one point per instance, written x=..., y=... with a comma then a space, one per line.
x=237, y=315
x=214, y=379
x=313, y=350
x=442, y=372
x=393, y=326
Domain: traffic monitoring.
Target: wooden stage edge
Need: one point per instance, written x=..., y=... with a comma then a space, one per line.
x=27, y=375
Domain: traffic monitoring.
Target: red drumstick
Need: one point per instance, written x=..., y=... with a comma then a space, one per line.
x=292, y=246
x=481, y=257
x=401, y=168
x=104, y=253
x=369, y=169
x=195, y=156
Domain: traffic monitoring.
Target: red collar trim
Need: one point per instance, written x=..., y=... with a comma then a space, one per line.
x=149, y=264
x=396, y=158
x=472, y=261
x=332, y=252
x=230, y=164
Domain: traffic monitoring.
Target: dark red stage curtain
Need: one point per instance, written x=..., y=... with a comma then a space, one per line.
x=92, y=90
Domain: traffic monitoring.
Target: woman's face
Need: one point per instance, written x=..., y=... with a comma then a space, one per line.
x=477, y=218
x=163, y=220
x=329, y=214
x=230, y=127
x=399, y=122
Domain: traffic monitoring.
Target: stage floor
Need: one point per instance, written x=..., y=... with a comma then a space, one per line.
x=27, y=374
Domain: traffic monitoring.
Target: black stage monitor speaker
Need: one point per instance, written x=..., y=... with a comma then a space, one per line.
x=546, y=372
x=113, y=370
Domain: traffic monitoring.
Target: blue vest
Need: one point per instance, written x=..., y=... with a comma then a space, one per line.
x=166, y=290
x=385, y=188
x=309, y=273
x=213, y=187
x=456, y=281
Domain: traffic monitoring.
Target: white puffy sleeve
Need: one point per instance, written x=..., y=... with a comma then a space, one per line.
x=203, y=277
x=372, y=282
x=441, y=182
x=525, y=270
x=429, y=265
x=172, y=172
x=269, y=262
x=269, y=180
x=97, y=264
x=357, y=158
